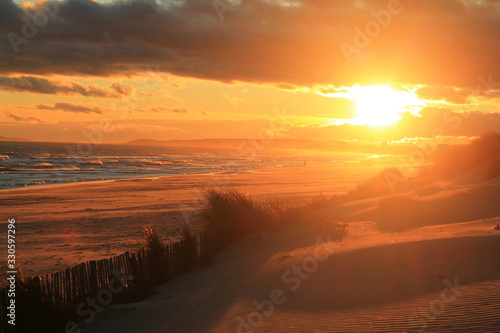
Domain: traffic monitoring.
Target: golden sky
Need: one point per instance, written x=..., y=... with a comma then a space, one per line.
x=339, y=70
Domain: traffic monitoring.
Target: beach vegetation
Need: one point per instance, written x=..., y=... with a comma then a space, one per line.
x=231, y=214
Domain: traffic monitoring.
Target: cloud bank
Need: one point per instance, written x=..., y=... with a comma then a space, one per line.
x=445, y=42
x=29, y=119
x=38, y=85
x=69, y=107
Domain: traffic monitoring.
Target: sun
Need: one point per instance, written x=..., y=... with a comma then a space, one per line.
x=382, y=105
x=379, y=105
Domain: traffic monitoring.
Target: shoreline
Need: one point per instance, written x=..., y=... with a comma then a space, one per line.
x=64, y=224
x=40, y=176
x=38, y=186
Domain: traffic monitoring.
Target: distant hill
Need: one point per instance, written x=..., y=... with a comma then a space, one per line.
x=226, y=143
x=4, y=138
x=146, y=142
x=257, y=145
x=234, y=143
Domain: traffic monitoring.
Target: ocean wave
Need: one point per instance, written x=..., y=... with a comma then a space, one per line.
x=92, y=162
x=34, y=183
x=58, y=156
x=42, y=165
x=38, y=156
x=66, y=168
x=45, y=169
x=155, y=163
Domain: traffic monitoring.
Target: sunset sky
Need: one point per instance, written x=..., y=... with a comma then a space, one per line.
x=174, y=69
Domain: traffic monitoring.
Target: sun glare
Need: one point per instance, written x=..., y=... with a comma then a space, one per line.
x=380, y=105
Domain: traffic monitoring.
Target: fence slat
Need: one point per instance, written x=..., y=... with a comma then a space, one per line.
x=57, y=295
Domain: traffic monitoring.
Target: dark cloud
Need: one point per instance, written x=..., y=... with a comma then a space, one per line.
x=78, y=108
x=16, y=118
x=168, y=109
x=69, y=107
x=445, y=42
x=121, y=89
x=40, y=85
x=28, y=120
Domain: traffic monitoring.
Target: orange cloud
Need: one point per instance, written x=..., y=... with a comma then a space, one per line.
x=168, y=109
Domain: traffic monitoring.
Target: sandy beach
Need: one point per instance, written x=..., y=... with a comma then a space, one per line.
x=439, y=274
x=60, y=226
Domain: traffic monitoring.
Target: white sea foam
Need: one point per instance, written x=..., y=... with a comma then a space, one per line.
x=92, y=162
x=43, y=165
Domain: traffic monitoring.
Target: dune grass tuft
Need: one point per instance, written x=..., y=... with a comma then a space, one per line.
x=231, y=215
x=320, y=200
x=155, y=254
x=377, y=186
x=151, y=240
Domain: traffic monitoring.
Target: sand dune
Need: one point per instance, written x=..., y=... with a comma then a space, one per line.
x=367, y=284
x=436, y=203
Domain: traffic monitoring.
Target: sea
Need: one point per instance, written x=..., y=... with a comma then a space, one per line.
x=41, y=163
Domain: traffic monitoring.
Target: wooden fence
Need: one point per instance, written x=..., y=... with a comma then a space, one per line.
x=47, y=303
